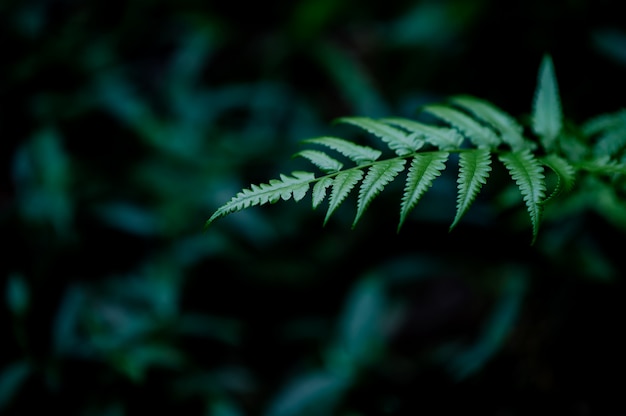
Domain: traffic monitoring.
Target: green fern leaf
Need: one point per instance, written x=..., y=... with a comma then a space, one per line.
x=611, y=143
x=527, y=173
x=319, y=190
x=509, y=129
x=342, y=185
x=378, y=176
x=565, y=173
x=603, y=165
x=474, y=168
x=547, y=117
x=357, y=153
x=285, y=187
x=609, y=131
x=480, y=135
x=321, y=160
x=397, y=140
x=604, y=122
x=425, y=167
x=443, y=138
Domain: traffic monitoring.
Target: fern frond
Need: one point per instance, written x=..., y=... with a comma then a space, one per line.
x=509, y=129
x=285, y=187
x=378, y=176
x=527, y=173
x=443, y=138
x=547, y=117
x=357, y=153
x=397, y=140
x=321, y=160
x=565, y=173
x=480, y=135
x=474, y=168
x=342, y=185
x=489, y=130
x=425, y=167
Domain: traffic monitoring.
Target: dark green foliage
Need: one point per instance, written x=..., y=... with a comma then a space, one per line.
x=123, y=124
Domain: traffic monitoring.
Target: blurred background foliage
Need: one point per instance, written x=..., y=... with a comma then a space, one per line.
x=125, y=124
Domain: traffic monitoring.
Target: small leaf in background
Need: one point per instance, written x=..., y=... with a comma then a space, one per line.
x=66, y=341
x=136, y=361
x=116, y=95
x=593, y=263
x=11, y=379
x=41, y=173
x=228, y=331
x=360, y=334
x=431, y=24
x=310, y=17
x=611, y=42
x=497, y=327
x=129, y=217
x=185, y=70
x=17, y=295
x=223, y=407
x=313, y=394
x=352, y=80
x=110, y=409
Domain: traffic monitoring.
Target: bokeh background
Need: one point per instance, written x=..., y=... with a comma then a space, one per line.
x=124, y=125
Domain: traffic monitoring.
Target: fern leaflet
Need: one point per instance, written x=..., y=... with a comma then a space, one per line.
x=321, y=160
x=398, y=141
x=604, y=122
x=510, y=131
x=547, y=118
x=611, y=143
x=443, y=138
x=342, y=185
x=425, y=167
x=357, y=153
x=319, y=190
x=285, y=187
x=378, y=176
x=565, y=174
x=474, y=168
x=527, y=173
x=480, y=135
x=603, y=165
